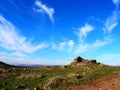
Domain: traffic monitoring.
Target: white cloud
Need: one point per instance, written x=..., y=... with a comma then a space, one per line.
x=83, y=31
x=18, y=54
x=3, y=54
x=11, y=40
x=116, y=2
x=70, y=45
x=63, y=46
x=99, y=43
x=44, y=9
x=17, y=61
x=112, y=21
x=110, y=59
x=81, y=48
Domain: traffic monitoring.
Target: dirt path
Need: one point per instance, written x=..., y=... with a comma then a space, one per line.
x=110, y=82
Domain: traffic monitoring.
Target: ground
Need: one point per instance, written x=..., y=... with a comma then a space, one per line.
x=109, y=82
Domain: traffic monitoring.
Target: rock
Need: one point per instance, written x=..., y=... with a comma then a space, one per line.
x=93, y=61
x=20, y=87
x=36, y=88
x=78, y=61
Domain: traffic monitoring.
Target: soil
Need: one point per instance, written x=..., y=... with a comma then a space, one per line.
x=109, y=82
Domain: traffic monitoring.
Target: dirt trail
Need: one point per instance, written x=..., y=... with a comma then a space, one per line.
x=109, y=82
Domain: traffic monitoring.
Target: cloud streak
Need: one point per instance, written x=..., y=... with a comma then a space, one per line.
x=83, y=31
x=44, y=9
x=18, y=54
x=82, y=48
x=110, y=59
x=11, y=40
x=112, y=21
x=116, y=2
x=63, y=46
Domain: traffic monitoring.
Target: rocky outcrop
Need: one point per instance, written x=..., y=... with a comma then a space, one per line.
x=81, y=61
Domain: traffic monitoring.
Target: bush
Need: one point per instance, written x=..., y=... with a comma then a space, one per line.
x=74, y=76
x=55, y=82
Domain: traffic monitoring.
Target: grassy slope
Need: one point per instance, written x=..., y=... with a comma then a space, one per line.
x=52, y=78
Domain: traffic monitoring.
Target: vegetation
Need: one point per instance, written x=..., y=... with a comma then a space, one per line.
x=51, y=78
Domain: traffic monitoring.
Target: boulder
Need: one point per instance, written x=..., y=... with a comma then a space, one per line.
x=93, y=61
x=78, y=59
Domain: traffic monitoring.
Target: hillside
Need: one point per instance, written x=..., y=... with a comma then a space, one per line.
x=79, y=72
x=4, y=65
x=108, y=82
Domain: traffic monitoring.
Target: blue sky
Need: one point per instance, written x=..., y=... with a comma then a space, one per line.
x=53, y=32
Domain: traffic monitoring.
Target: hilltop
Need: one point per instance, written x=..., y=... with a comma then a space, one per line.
x=84, y=63
x=81, y=61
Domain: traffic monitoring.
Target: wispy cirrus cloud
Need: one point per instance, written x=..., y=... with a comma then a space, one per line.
x=63, y=46
x=71, y=45
x=10, y=39
x=112, y=21
x=42, y=8
x=18, y=54
x=116, y=2
x=83, y=31
x=82, y=48
x=110, y=59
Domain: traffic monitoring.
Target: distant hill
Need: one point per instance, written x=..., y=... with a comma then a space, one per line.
x=4, y=65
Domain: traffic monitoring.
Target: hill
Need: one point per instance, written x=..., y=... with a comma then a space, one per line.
x=4, y=65
x=79, y=72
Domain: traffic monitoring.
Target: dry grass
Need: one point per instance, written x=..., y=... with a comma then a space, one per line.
x=29, y=76
x=55, y=82
x=74, y=76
